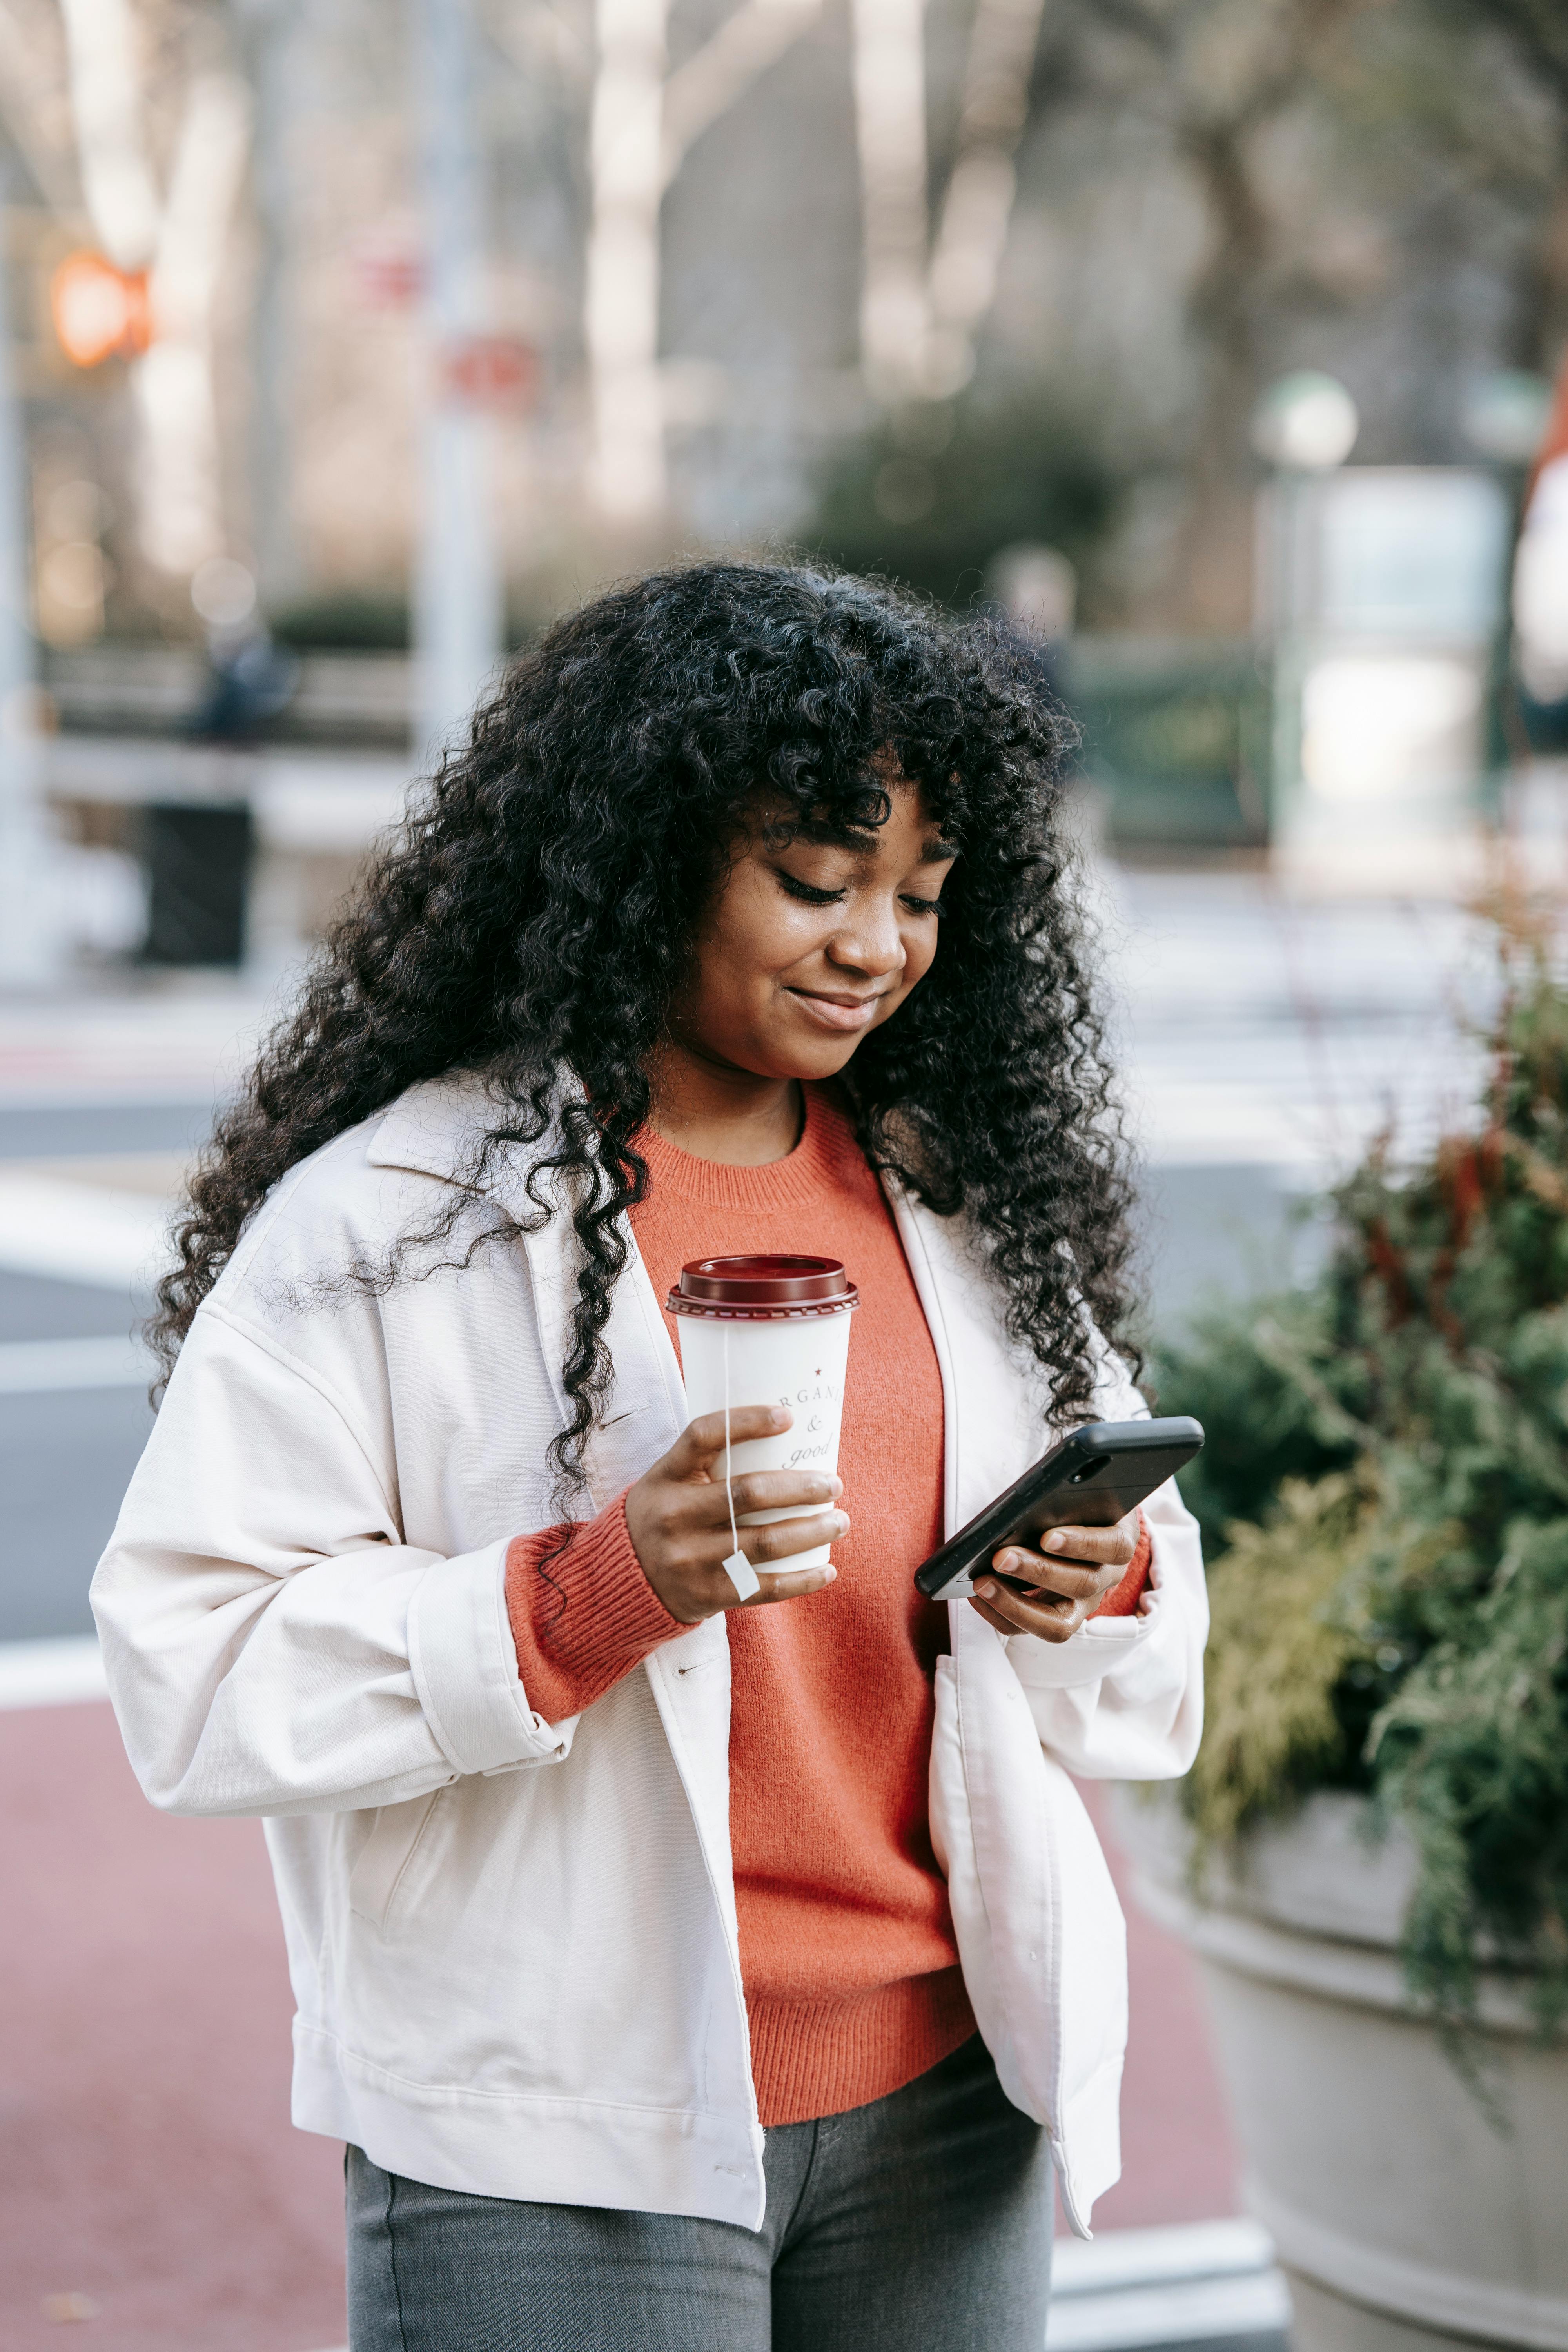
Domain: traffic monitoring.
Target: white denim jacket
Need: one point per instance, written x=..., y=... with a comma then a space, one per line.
x=512, y=1942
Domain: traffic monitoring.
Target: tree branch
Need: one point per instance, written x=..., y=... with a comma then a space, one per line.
x=1539, y=30
x=697, y=92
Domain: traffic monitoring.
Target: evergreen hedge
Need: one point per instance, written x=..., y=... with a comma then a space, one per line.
x=1385, y=1504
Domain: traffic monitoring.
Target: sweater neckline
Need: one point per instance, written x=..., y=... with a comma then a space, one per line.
x=806, y=1173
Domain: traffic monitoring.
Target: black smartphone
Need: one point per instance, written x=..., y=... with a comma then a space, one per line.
x=1090, y=1480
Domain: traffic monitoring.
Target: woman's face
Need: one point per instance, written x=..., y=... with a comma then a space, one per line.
x=808, y=946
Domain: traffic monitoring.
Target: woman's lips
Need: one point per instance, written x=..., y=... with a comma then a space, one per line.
x=838, y=1012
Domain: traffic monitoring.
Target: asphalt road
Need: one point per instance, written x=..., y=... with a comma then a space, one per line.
x=162, y=2180
x=66, y=1454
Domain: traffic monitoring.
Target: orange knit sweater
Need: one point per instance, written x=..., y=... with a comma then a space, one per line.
x=846, y=1948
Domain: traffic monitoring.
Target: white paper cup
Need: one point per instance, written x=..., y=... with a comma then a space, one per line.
x=769, y=1331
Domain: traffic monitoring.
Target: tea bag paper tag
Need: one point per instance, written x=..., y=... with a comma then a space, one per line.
x=742, y=1574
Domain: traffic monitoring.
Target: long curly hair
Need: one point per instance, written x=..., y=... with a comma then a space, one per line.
x=536, y=912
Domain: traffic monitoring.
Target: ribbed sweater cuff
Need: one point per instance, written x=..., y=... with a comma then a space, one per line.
x=812, y=2058
x=1123, y=1602
x=585, y=1618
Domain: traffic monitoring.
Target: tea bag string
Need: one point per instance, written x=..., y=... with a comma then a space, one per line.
x=738, y=1567
x=728, y=1457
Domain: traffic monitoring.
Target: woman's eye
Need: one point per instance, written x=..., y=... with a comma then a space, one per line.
x=925, y=905
x=807, y=891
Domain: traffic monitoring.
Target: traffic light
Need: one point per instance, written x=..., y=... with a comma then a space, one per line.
x=99, y=312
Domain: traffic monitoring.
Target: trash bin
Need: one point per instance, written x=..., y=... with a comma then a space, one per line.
x=1176, y=736
x=198, y=870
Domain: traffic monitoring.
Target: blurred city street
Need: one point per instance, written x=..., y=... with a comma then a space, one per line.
x=1263, y=1039
x=1215, y=358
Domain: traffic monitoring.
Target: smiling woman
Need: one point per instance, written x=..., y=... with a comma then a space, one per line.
x=815, y=935
x=666, y=1896
x=539, y=915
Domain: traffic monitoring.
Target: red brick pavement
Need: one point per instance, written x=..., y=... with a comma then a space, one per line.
x=146, y=2158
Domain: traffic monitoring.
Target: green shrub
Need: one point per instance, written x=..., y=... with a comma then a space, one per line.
x=930, y=496
x=1384, y=1494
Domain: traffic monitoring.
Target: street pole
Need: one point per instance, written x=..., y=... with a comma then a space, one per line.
x=458, y=613
x=626, y=471
x=32, y=937
x=275, y=32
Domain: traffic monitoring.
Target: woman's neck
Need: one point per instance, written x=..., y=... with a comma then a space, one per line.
x=729, y=1115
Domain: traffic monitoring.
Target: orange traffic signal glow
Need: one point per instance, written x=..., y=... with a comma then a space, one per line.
x=99, y=312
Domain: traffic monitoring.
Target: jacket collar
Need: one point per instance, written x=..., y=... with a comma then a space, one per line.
x=433, y=1128
x=437, y=1128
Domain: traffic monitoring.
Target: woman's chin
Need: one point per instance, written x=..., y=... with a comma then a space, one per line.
x=810, y=1060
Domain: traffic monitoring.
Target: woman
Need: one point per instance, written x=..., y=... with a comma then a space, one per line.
x=679, y=1970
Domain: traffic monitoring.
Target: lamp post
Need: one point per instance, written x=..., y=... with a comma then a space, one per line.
x=458, y=593
x=1305, y=426
x=32, y=929
x=1387, y=608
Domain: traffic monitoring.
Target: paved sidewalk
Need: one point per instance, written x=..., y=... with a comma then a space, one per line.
x=146, y=2158
x=147, y=2163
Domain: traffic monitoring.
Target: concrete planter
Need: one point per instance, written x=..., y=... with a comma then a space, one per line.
x=1403, y=2219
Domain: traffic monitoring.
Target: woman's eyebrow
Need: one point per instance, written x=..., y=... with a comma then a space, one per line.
x=819, y=833
x=935, y=851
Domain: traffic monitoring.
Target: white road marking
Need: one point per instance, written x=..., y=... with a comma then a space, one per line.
x=51, y=1674
x=28, y=1367
x=1193, y=2311
x=1173, y=2285
x=76, y=1231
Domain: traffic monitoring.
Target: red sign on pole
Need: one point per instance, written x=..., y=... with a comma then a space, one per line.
x=499, y=372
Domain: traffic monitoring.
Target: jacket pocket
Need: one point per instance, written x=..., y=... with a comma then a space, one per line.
x=384, y=1857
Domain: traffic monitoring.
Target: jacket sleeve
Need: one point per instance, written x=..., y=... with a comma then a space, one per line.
x=583, y=1613
x=272, y=1644
x=1124, y=1699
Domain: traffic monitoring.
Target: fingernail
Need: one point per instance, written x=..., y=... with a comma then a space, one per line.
x=1055, y=1542
x=830, y=1574
x=986, y=1590
x=835, y=1488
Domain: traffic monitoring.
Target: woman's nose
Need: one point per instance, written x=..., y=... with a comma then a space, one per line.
x=871, y=943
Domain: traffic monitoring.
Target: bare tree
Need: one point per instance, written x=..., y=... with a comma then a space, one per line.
x=644, y=121
x=177, y=235
x=1216, y=79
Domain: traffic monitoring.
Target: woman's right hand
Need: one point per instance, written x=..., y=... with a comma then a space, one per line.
x=677, y=1515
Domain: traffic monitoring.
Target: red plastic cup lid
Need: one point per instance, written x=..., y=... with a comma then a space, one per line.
x=762, y=1289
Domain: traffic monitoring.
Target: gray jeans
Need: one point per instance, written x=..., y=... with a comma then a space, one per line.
x=920, y=2223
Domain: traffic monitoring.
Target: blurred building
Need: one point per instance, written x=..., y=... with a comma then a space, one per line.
x=365, y=329
x=764, y=228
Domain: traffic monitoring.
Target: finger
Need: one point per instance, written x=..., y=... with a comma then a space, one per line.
x=983, y=1609
x=790, y=1584
x=1073, y=1579
x=1049, y=1620
x=772, y=1584
x=781, y=1490
x=706, y=1503
x=1105, y=1546
x=702, y=1441
x=786, y=1536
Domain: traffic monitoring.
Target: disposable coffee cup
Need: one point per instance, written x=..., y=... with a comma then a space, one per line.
x=769, y=1330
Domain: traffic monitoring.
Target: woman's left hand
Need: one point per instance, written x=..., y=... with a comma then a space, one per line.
x=1070, y=1579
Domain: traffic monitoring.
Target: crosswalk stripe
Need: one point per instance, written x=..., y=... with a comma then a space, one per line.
x=29, y=1367
x=60, y=1672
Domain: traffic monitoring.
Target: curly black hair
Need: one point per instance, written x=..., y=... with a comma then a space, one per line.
x=536, y=913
